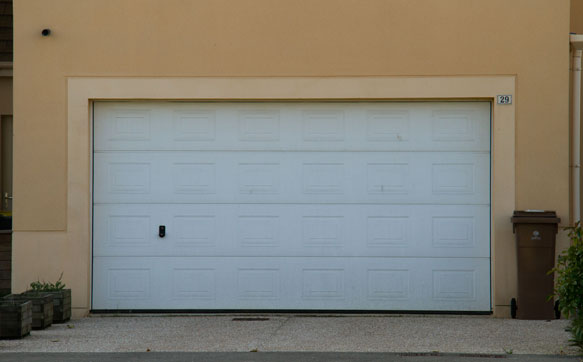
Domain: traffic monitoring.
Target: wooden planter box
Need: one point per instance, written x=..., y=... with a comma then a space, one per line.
x=61, y=305
x=15, y=319
x=5, y=261
x=42, y=307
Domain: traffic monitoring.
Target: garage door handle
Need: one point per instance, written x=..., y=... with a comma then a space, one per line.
x=162, y=231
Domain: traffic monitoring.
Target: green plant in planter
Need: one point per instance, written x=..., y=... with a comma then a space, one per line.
x=61, y=297
x=569, y=285
x=43, y=286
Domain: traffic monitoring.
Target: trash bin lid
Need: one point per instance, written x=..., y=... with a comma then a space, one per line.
x=535, y=217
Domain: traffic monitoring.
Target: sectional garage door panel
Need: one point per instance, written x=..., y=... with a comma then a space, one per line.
x=292, y=230
x=342, y=283
x=339, y=206
x=445, y=126
x=292, y=177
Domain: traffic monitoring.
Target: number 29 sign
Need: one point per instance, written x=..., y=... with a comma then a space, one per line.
x=504, y=99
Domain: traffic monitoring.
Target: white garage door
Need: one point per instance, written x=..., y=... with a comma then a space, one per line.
x=297, y=206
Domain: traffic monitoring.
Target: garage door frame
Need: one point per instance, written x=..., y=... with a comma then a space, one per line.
x=82, y=91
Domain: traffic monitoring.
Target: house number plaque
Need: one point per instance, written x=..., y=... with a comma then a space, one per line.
x=504, y=99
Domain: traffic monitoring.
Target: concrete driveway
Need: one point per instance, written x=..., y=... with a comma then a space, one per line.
x=274, y=333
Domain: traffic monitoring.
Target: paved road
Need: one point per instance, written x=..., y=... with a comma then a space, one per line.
x=275, y=356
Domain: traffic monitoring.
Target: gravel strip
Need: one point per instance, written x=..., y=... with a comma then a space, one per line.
x=447, y=334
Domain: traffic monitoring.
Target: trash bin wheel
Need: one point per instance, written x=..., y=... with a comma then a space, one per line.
x=557, y=310
x=513, y=308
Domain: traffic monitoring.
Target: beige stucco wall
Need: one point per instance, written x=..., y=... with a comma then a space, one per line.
x=577, y=16
x=266, y=38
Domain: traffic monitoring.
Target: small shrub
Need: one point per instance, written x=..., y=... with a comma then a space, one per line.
x=569, y=285
x=576, y=329
x=43, y=286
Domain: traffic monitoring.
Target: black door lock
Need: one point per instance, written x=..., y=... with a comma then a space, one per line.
x=162, y=231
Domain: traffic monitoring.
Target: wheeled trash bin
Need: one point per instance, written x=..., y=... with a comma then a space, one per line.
x=535, y=232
